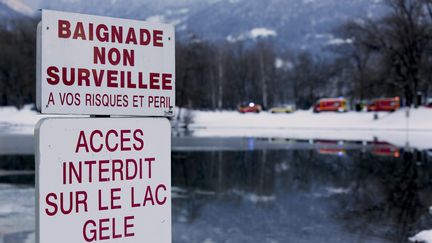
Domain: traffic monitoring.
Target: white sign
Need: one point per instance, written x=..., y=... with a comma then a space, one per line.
x=94, y=65
x=103, y=179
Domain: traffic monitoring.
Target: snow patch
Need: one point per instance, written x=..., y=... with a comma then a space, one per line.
x=282, y=64
x=182, y=27
x=156, y=19
x=262, y=32
x=254, y=33
x=339, y=41
x=18, y=6
x=183, y=11
x=319, y=36
x=253, y=197
x=178, y=21
x=163, y=19
x=333, y=190
x=279, y=63
x=208, y=240
x=423, y=236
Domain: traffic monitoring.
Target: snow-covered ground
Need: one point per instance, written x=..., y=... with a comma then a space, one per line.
x=419, y=119
x=20, y=121
x=424, y=236
x=415, y=131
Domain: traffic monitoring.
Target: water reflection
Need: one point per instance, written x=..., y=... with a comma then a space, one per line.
x=17, y=169
x=381, y=194
x=271, y=190
x=389, y=197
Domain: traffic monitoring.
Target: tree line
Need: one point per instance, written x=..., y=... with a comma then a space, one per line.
x=17, y=61
x=387, y=56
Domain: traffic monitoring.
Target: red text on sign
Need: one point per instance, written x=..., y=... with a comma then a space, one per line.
x=113, y=34
x=66, y=203
x=108, y=228
x=105, y=170
x=114, y=56
x=108, y=78
x=111, y=140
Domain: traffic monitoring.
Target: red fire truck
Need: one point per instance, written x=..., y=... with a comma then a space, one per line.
x=384, y=104
x=331, y=104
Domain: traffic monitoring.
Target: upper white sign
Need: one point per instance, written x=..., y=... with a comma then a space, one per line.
x=94, y=65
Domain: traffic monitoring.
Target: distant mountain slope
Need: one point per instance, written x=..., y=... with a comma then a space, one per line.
x=14, y=8
x=298, y=24
x=294, y=24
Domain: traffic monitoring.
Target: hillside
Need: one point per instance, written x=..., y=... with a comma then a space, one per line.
x=293, y=24
x=14, y=8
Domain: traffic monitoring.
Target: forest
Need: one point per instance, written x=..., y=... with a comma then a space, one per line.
x=383, y=57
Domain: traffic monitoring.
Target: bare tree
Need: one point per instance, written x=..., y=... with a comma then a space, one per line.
x=17, y=72
x=266, y=59
x=400, y=39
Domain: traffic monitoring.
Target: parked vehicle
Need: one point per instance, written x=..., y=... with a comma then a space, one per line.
x=282, y=109
x=249, y=107
x=384, y=104
x=331, y=104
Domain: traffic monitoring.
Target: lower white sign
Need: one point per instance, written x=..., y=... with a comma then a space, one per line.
x=103, y=179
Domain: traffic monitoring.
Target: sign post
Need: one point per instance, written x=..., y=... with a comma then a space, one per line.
x=104, y=179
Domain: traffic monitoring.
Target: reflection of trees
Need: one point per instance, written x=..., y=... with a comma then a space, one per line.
x=389, y=196
x=17, y=163
x=221, y=172
x=310, y=170
x=236, y=175
x=226, y=175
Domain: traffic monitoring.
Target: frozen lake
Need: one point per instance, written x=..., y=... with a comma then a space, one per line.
x=263, y=189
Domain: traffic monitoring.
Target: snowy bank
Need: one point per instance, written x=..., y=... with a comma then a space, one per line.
x=23, y=121
x=396, y=128
x=393, y=127
x=424, y=236
x=419, y=119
